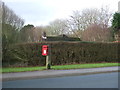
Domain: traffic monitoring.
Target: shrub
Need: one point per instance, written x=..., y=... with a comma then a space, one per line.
x=29, y=54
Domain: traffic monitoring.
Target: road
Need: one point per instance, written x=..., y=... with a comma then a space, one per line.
x=55, y=73
x=103, y=80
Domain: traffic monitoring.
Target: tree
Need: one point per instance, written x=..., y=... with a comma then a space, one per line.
x=58, y=27
x=37, y=33
x=96, y=33
x=116, y=22
x=11, y=24
x=116, y=26
x=105, y=17
x=9, y=17
x=81, y=20
x=26, y=33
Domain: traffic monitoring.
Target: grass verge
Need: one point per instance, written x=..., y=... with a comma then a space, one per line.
x=58, y=67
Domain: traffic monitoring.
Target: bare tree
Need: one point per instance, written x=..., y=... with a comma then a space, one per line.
x=81, y=20
x=11, y=25
x=58, y=27
x=73, y=28
x=38, y=31
x=105, y=17
x=96, y=33
x=9, y=17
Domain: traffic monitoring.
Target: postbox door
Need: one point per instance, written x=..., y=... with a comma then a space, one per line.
x=45, y=50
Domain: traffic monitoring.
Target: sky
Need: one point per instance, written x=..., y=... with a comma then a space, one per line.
x=42, y=12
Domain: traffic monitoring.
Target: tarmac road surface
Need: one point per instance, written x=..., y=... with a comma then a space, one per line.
x=55, y=73
x=101, y=80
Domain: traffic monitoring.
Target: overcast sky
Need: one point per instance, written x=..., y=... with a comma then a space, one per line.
x=41, y=12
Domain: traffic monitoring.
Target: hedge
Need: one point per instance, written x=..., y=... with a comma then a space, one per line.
x=59, y=38
x=29, y=54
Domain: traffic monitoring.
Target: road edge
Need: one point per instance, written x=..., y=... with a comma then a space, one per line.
x=54, y=75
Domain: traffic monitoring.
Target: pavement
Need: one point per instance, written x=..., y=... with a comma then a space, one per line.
x=56, y=73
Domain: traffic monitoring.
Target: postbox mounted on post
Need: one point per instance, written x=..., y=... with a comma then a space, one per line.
x=45, y=50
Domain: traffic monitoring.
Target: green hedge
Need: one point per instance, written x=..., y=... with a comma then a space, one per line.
x=58, y=38
x=29, y=54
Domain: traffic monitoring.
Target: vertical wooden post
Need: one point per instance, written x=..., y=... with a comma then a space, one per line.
x=48, y=58
x=48, y=66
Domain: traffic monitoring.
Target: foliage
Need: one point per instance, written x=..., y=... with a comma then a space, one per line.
x=79, y=21
x=59, y=38
x=26, y=33
x=11, y=25
x=9, y=17
x=116, y=22
x=29, y=54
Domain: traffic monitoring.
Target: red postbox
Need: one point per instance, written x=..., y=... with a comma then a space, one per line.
x=45, y=50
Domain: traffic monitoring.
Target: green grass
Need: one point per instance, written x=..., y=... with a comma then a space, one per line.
x=76, y=66
x=21, y=69
x=58, y=67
